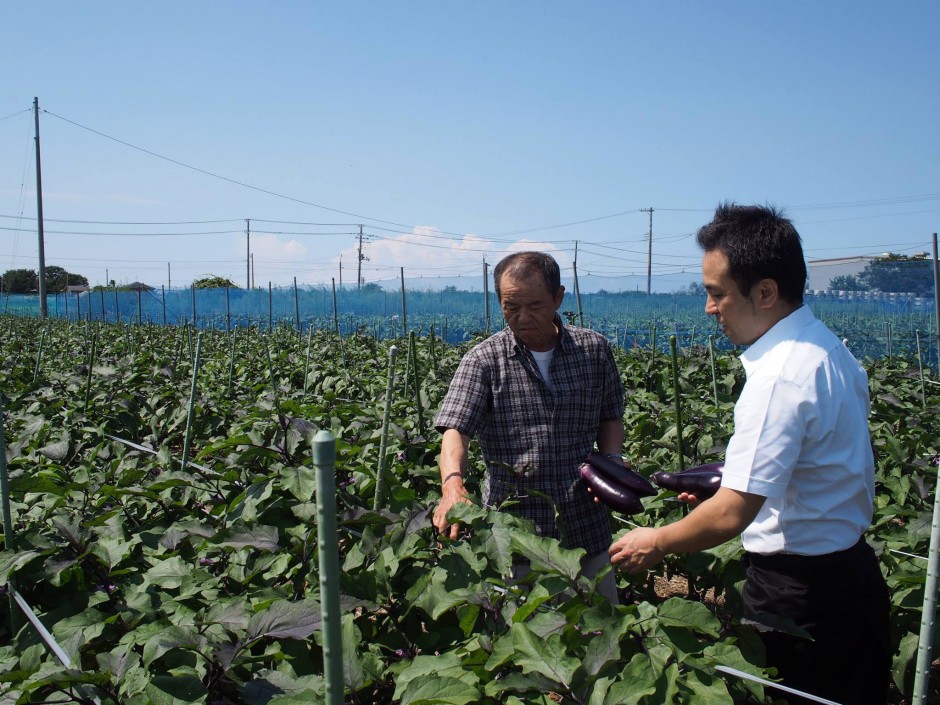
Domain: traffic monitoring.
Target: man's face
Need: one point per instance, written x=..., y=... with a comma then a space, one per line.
x=739, y=315
x=529, y=309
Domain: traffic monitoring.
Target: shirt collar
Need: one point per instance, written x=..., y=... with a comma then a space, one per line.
x=565, y=343
x=784, y=329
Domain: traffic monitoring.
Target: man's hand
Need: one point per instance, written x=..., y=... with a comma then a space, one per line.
x=453, y=462
x=636, y=551
x=452, y=495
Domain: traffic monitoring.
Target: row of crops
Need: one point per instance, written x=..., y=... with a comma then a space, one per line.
x=874, y=327
x=170, y=547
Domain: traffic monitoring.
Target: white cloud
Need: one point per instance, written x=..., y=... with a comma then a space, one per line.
x=271, y=247
x=429, y=253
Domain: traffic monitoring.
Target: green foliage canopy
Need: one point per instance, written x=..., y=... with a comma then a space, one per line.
x=20, y=281
x=898, y=273
x=212, y=281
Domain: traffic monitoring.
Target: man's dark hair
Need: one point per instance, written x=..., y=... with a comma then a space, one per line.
x=759, y=244
x=522, y=263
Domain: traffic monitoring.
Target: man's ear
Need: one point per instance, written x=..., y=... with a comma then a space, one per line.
x=768, y=293
x=559, y=296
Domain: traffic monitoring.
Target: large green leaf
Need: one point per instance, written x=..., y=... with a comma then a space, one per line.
x=547, y=555
x=692, y=615
x=440, y=690
x=169, y=638
x=263, y=538
x=286, y=620
x=169, y=573
x=545, y=656
x=176, y=690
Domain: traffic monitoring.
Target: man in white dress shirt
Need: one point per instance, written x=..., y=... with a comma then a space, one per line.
x=798, y=482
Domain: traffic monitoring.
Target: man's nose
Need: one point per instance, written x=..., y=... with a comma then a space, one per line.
x=711, y=308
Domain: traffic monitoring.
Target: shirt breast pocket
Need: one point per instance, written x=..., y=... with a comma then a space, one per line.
x=580, y=407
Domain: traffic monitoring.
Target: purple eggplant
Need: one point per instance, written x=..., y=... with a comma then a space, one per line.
x=619, y=475
x=610, y=493
x=702, y=481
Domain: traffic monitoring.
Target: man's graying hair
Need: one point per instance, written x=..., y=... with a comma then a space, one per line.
x=759, y=244
x=522, y=263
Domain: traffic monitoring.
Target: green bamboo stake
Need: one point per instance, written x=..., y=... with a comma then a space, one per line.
x=711, y=359
x=307, y=363
x=267, y=352
x=231, y=362
x=380, y=477
x=42, y=339
x=414, y=361
x=324, y=460
x=920, y=364
x=432, y=345
x=91, y=367
x=192, y=402
x=9, y=540
x=407, y=380
x=675, y=386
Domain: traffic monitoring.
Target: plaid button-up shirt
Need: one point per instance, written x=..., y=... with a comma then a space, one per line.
x=534, y=437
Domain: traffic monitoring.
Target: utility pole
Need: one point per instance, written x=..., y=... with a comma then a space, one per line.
x=649, y=253
x=252, y=270
x=486, y=294
x=43, y=309
x=248, y=253
x=169, y=280
x=361, y=258
x=341, y=272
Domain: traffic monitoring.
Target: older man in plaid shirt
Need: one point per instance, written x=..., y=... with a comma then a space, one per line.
x=538, y=396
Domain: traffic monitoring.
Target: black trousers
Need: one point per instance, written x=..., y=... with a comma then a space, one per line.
x=839, y=598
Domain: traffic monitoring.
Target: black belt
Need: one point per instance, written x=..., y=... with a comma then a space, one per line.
x=798, y=562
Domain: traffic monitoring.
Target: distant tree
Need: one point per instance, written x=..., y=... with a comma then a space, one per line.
x=846, y=282
x=898, y=273
x=20, y=281
x=693, y=289
x=57, y=279
x=214, y=282
x=371, y=286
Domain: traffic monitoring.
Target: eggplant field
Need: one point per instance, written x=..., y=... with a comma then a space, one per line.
x=163, y=526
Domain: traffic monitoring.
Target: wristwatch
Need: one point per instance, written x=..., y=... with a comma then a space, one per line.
x=614, y=456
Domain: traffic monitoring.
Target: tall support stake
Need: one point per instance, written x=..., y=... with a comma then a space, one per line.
x=673, y=354
x=248, y=253
x=577, y=295
x=383, y=446
x=486, y=295
x=360, y=258
x=324, y=460
x=9, y=542
x=649, y=254
x=929, y=611
x=335, y=311
x=169, y=279
x=296, y=307
x=43, y=307
x=404, y=310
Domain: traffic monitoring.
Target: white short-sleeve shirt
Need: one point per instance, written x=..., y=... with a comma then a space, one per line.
x=801, y=440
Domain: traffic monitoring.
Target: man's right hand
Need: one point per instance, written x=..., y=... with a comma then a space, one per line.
x=453, y=494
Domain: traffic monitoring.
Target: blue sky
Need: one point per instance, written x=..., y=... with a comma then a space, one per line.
x=454, y=132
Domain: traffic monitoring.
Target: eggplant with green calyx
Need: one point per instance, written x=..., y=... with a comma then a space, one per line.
x=619, y=475
x=702, y=481
x=612, y=494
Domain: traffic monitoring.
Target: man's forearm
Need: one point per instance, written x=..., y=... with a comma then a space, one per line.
x=710, y=524
x=610, y=436
x=453, y=461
